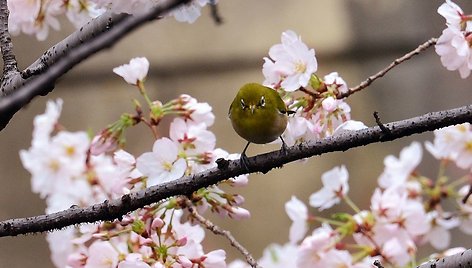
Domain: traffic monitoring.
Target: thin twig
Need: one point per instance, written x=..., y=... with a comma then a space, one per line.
x=396, y=62
x=110, y=210
x=219, y=231
x=215, y=14
x=9, y=60
x=385, y=130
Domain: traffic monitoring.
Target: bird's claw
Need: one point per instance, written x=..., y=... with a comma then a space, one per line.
x=244, y=162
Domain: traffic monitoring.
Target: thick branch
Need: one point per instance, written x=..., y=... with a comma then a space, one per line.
x=113, y=209
x=100, y=33
x=463, y=259
x=9, y=60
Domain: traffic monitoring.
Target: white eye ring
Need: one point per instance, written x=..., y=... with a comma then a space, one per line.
x=262, y=102
x=243, y=105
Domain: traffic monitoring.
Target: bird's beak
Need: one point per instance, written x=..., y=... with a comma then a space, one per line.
x=252, y=107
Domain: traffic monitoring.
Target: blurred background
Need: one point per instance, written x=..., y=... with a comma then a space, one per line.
x=356, y=38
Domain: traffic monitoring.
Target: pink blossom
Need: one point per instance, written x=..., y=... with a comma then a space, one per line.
x=398, y=170
x=102, y=255
x=298, y=213
x=200, y=112
x=215, y=259
x=396, y=252
x=133, y=260
x=349, y=125
x=293, y=62
x=278, y=256
x=79, y=12
x=324, y=122
x=126, y=6
x=453, y=46
x=335, y=187
x=336, y=82
x=192, y=138
x=439, y=235
x=243, y=264
x=34, y=16
x=329, y=104
x=447, y=141
x=44, y=124
x=313, y=248
x=298, y=129
x=189, y=12
x=452, y=13
x=162, y=164
x=57, y=160
x=133, y=72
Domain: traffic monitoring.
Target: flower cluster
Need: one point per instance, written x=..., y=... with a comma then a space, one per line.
x=454, y=45
x=35, y=17
x=407, y=210
x=319, y=109
x=71, y=169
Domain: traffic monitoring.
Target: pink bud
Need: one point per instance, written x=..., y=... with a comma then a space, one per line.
x=101, y=144
x=157, y=223
x=181, y=242
x=238, y=199
x=329, y=104
x=239, y=213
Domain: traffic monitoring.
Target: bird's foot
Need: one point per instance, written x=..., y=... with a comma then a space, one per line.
x=244, y=162
x=284, y=148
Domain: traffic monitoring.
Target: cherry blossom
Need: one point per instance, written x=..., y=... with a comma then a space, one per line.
x=298, y=213
x=102, y=254
x=279, y=256
x=452, y=13
x=454, y=49
x=79, y=12
x=398, y=170
x=337, y=82
x=44, y=124
x=194, y=138
x=292, y=61
x=314, y=247
x=453, y=46
x=349, y=125
x=335, y=187
x=162, y=164
x=133, y=72
x=189, y=12
x=439, y=235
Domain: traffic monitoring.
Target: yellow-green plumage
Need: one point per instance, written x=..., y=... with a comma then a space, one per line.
x=258, y=114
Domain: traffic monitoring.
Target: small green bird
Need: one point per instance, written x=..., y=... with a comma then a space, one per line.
x=258, y=115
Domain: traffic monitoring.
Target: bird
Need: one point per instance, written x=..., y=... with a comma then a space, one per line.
x=259, y=115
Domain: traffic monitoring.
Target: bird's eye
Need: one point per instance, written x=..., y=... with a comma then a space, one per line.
x=261, y=102
x=243, y=104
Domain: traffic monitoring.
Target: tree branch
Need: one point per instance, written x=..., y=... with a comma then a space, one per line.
x=218, y=231
x=109, y=210
x=463, y=259
x=98, y=34
x=9, y=60
x=396, y=62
